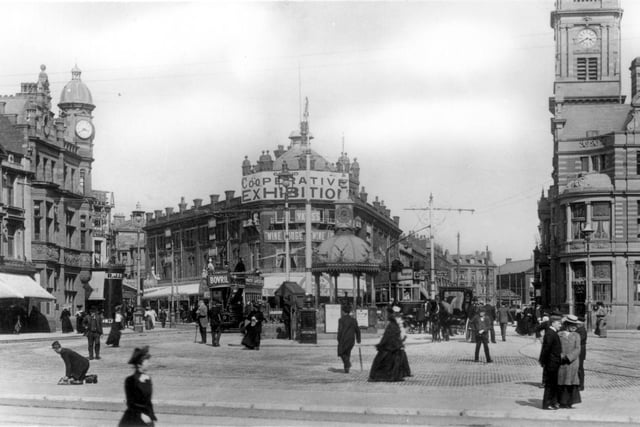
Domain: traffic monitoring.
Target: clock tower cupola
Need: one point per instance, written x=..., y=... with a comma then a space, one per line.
x=76, y=105
x=587, y=37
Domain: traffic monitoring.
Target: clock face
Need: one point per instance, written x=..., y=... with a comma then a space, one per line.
x=84, y=129
x=343, y=215
x=587, y=38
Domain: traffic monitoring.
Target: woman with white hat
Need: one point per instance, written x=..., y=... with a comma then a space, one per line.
x=568, y=379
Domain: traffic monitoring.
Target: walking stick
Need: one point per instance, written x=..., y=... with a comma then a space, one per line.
x=195, y=338
x=360, y=355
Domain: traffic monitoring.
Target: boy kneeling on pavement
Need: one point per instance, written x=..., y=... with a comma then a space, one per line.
x=76, y=366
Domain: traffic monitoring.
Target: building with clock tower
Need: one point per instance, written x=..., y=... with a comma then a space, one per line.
x=66, y=221
x=589, y=247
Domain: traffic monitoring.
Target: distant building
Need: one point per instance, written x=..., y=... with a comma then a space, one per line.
x=476, y=271
x=514, y=281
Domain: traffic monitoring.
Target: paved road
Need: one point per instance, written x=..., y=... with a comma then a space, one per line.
x=297, y=382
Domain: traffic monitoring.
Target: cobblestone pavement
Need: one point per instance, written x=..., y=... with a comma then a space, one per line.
x=285, y=375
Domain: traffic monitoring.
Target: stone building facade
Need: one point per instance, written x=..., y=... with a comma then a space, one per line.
x=590, y=217
x=53, y=190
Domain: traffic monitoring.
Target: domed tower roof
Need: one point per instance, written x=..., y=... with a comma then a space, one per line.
x=296, y=160
x=76, y=92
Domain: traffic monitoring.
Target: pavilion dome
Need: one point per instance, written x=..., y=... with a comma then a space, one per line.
x=345, y=248
x=76, y=92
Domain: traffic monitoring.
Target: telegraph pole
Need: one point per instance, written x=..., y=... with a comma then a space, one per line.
x=431, y=208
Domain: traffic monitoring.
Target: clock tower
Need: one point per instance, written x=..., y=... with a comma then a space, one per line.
x=76, y=105
x=587, y=38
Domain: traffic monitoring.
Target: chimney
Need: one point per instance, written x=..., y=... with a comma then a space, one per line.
x=214, y=198
x=508, y=261
x=2, y=104
x=149, y=216
x=376, y=203
x=118, y=219
x=396, y=219
x=228, y=194
x=169, y=211
x=635, y=76
x=182, y=205
x=157, y=214
x=363, y=195
x=197, y=203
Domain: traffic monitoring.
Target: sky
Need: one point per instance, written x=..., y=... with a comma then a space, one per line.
x=445, y=98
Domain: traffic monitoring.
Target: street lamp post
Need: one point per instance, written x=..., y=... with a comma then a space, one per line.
x=172, y=312
x=285, y=179
x=138, y=218
x=587, y=232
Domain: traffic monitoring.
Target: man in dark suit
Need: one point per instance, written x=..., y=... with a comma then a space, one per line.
x=491, y=314
x=503, y=319
x=481, y=325
x=550, y=358
x=93, y=328
x=75, y=365
x=348, y=334
x=583, y=349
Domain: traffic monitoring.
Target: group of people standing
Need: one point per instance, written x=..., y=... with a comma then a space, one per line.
x=562, y=359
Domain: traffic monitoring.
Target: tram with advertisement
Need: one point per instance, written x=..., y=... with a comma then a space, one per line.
x=234, y=290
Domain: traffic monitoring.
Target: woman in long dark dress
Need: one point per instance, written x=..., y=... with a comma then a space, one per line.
x=114, y=335
x=138, y=390
x=391, y=363
x=251, y=340
x=65, y=319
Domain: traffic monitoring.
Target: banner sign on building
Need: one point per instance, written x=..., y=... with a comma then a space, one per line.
x=322, y=185
x=297, y=235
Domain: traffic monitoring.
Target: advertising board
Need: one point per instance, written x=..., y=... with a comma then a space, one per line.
x=321, y=185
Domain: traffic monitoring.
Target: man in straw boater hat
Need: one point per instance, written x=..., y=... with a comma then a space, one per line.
x=550, y=360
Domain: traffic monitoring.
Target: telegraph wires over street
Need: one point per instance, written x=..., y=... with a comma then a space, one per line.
x=432, y=208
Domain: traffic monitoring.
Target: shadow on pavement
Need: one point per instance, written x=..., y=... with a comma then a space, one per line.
x=534, y=403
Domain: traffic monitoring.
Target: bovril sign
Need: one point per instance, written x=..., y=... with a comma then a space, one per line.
x=218, y=279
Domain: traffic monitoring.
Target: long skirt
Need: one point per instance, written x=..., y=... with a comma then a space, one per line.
x=390, y=366
x=568, y=395
x=114, y=335
x=66, y=325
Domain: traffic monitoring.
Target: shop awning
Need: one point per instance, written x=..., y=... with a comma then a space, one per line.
x=21, y=286
x=97, y=286
x=165, y=291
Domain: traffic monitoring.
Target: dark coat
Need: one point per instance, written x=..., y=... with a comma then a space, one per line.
x=503, y=315
x=65, y=319
x=75, y=365
x=390, y=363
x=348, y=334
x=93, y=325
x=482, y=324
x=583, y=341
x=551, y=351
x=138, y=394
